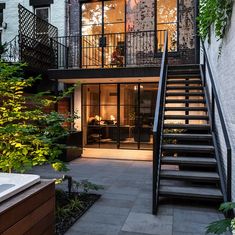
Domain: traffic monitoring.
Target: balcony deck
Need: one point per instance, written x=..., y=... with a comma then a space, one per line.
x=104, y=73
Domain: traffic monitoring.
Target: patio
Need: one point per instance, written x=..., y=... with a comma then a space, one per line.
x=125, y=205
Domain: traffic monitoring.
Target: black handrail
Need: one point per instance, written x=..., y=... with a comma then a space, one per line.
x=214, y=101
x=158, y=126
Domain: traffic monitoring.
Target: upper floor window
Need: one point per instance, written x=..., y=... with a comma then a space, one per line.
x=167, y=20
x=43, y=13
x=1, y=17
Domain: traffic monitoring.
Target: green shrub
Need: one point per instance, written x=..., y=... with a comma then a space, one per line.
x=28, y=134
x=222, y=226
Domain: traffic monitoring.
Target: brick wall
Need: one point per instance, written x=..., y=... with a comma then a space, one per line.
x=224, y=74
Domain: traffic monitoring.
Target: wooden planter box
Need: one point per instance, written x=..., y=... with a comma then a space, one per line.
x=31, y=212
x=73, y=148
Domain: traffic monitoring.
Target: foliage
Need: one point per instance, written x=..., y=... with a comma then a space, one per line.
x=28, y=133
x=3, y=48
x=66, y=205
x=86, y=186
x=69, y=208
x=76, y=186
x=222, y=226
x=217, y=13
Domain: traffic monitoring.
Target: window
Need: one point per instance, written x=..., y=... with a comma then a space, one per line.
x=1, y=17
x=42, y=26
x=167, y=21
x=43, y=13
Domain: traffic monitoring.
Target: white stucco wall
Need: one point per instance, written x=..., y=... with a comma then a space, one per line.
x=10, y=15
x=223, y=69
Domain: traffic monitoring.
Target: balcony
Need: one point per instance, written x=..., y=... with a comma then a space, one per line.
x=114, y=50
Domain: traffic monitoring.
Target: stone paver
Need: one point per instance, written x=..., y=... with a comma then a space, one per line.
x=125, y=205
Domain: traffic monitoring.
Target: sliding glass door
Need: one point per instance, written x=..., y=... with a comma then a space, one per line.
x=119, y=115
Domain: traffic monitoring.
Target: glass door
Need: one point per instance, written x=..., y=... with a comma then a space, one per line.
x=129, y=132
x=92, y=28
x=103, y=34
x=119, y=115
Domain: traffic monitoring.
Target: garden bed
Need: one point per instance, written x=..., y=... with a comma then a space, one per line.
x=69, y=208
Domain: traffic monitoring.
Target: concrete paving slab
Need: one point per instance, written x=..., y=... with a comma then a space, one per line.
x=148, y=224
x=125, y=205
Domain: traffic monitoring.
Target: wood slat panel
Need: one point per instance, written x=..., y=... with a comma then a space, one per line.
x=42, y=225
x=31, y=219
x=16, y=208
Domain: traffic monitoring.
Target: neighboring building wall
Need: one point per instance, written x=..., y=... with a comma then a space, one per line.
x=223, y=69
x=10, y=14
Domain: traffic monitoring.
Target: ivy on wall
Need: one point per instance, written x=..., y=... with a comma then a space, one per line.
x=217, y=13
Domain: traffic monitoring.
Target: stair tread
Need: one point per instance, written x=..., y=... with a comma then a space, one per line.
x=188, y=136
x=189, y=160
x=188, y=117
x=179, y=66
x=189, y=174
x=187, y=126
x=185, y=94
x=177, y=81
x=188, y=147
x=185, y=101
x=183, y=75
x=185, y=108
x=184, y=88
x=199, y=192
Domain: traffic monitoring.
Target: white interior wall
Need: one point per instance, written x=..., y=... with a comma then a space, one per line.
x=78, y=107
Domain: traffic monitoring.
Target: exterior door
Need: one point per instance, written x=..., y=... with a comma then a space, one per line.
x=103, y=34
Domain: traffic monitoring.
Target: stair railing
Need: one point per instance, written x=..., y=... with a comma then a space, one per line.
x=158, y=126
x=225, y=172
x=12, y=52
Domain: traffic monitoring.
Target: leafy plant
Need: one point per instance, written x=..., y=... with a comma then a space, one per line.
x=3, y=48
x=217, y=13
x=86, y=186
x=222, y=226
x=28, y=133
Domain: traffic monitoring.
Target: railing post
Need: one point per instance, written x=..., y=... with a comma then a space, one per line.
x=154, y=192
x=229, y=175
x=213, y=108
x=67, y=57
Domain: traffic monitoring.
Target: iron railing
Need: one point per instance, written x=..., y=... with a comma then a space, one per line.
x=34, y=41
x=110, y=50
x=11, y=51
x=214, y=105
x=158, y=126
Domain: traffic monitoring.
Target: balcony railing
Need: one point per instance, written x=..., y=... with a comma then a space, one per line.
x=11, y=51
x=110, y=50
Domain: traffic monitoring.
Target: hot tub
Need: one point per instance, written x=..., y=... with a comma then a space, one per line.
x=11, y=184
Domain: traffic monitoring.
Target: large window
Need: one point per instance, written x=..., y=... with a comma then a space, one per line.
x=167, y=20
x=119, y=115
x=103, y=33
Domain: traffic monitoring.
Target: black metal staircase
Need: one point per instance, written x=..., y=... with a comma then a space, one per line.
x=186, y=160
x=188, y=164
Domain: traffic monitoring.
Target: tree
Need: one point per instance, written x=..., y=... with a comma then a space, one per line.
x=28, y=134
